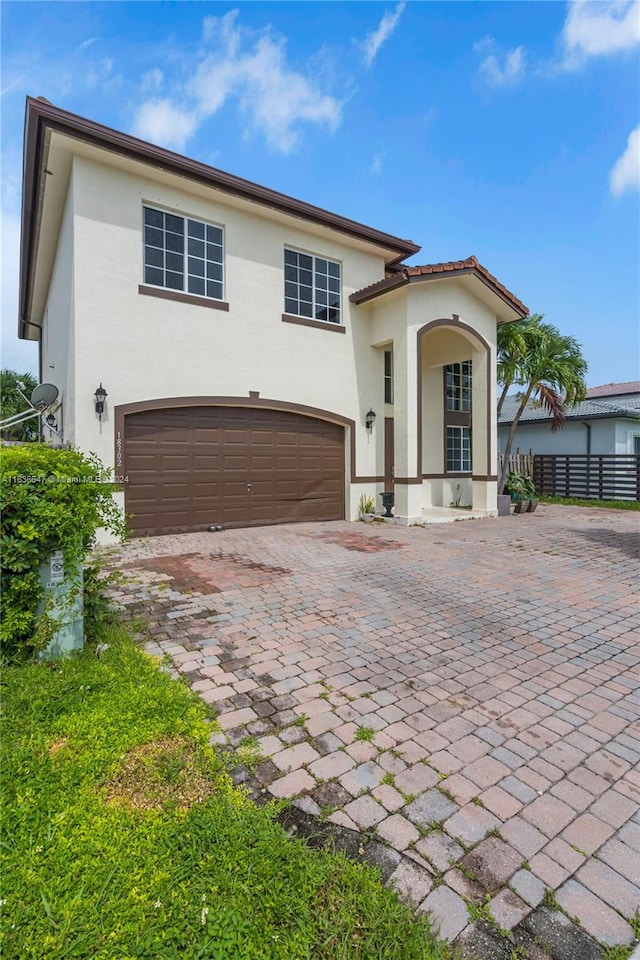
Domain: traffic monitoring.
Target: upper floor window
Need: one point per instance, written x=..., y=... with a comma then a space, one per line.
x=183, y=254
x=388, y=376
x=458, y=386
x=311, y=286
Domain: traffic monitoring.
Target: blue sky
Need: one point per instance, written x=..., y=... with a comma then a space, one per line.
x=507, y=130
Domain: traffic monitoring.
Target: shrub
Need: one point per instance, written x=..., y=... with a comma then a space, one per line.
x=51, y=499
x=367, y=504
x=97, y=608
x=520, y=486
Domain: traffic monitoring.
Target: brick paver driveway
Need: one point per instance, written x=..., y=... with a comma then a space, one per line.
x=466, y=693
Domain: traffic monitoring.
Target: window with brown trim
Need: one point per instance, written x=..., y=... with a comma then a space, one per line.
x=183, y=254
x=458, y=386
x=311, y=286
x=458, y=449
x=388, y=376
x=457, y=417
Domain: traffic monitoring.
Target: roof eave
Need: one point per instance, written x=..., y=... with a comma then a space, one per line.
x=32, y=153
x=577, y=418
x=399, y=280
x=378, y=289
x=42, y=115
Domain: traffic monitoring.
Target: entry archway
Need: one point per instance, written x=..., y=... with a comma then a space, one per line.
x=440, y=343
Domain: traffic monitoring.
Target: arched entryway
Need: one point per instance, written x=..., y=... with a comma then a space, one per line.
x=456, y=428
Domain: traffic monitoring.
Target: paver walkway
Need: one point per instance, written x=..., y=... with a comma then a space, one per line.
x=467, y=693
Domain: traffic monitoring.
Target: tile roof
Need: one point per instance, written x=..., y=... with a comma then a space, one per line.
x=403, y=274
x=588, y=408
x=614, y=389
x=378, y=288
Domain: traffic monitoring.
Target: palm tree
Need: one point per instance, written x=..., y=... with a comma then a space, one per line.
x=551, y=371
x=512, y=350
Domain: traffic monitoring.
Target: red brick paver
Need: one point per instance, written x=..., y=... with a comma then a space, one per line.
x=605, y=924
x=459, y=691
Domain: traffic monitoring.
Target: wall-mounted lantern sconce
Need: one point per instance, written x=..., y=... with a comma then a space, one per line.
x=51, y=422
x=100, y=397
x=369, y=419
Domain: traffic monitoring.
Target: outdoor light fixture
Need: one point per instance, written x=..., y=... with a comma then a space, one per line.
x=369, y=419
x=100, y=397
x=51, y=422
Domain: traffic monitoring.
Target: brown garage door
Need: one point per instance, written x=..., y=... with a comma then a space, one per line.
x=192, y=467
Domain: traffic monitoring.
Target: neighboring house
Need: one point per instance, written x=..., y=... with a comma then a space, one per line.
x=607, y=422
x=244, y=339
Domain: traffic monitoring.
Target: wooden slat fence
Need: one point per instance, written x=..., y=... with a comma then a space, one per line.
x=601, y=476
x=518, y=462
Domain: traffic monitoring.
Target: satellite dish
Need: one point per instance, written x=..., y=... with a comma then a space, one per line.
x=43, y=396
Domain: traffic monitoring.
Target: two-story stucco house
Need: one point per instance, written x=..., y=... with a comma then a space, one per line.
x=245, y=338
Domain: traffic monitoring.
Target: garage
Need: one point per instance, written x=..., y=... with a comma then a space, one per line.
x=189, y=468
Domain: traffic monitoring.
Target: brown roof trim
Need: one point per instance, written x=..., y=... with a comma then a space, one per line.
x=379, y=287
x=403, y=274
x=42, y=116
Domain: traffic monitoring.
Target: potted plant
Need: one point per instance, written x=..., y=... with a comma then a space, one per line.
x=366, y=507
x=522, y=491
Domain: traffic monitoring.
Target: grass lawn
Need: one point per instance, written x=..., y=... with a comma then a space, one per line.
x=581, y=502
x=123, y=836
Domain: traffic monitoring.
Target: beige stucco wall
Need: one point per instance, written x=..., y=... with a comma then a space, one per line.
x=58, y=366
x=144, y=347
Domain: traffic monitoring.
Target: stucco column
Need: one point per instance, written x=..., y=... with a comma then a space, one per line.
x=483, y=429
x=407, y=470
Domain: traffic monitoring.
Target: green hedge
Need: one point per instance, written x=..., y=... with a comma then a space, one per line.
x=51, y=499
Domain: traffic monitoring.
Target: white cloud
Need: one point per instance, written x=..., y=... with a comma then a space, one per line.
x=274, y=98
x=487, y=43
x=625, y=174
x=505, y=74
x=223, y=29
x=10, y=86
x=590, y=29
x=152, y=80
x=162, y=122
x=377, y=163
x=85, y=44
x=100, y=74
x=374, y=40
x=595, y=29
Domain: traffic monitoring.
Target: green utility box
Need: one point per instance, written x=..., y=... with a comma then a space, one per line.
x=63, y=601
